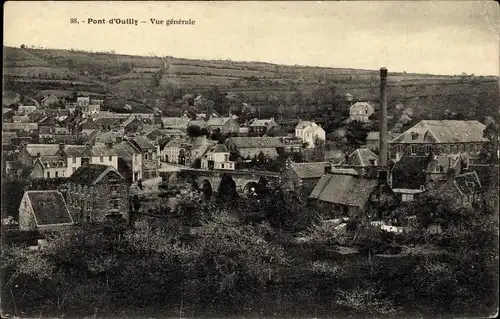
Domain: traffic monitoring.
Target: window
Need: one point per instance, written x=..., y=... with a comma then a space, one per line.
x=422, y=187
x=440, y=169
x=74, y=160
x=400, y=148
x=102, y=159
x=146, y=156
x=110, y=158
x=226, y=157
x=414, y=149
x=48, y=174
x=414, y=135
x=136, y=157
x=63, y=173
x=221, y=165
x=57, y=174
x=428, y=149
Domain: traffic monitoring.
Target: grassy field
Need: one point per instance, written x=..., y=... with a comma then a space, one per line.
x=137, y=76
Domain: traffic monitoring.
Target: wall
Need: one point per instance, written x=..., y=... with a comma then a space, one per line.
x=470, y=148
x=106, y=161
x=26, y=219
x=73, y=166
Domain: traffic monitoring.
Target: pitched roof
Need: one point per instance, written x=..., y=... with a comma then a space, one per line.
x=126, y=150
x=310, y=170
x=303, y=124
x=361, y=157
x=175, y=121
x=53, y=161
x=108, y=137
x=218, y=121
x=43, y=149
x=446, y=131
x=263, y=122
x=375, y=136
x=446, y=161
x=361, y=105
x=334, y=155
x=91, y=174
x=344, y=189
x=468, y=183
x=103, y=150
x=143, y=143
x=277, y=131
x=49, y=208
x=20, y=126
x=253, y=152
x=6, y=110
x=199, y=123
x=219, y=148
x=77, y=151
x=65, y=138
x=256, y=142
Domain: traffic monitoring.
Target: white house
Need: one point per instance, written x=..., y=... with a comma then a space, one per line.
x=308, y=131
x=217, y=157
x=361, y=111
x=104, y=155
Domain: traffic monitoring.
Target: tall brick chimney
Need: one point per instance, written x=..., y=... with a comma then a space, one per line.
x=383, y=148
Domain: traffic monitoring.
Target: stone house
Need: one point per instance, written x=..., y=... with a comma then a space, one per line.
x=96, y=192
x=129, y=161
x=149, y=152
x=361, y=111
x=305, y=176
x=43, y=211
x=226, y=125
x=30, y=152
x=259, y=127
x=439, y=137
x=217, y=157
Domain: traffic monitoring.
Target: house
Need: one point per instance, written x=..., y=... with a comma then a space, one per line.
x=30, y=152
x=108, y=123
x=97, y=192
x=305, y=176
x=97, y=102
x=47, y=167
x=20, y=127
x=199, y=147
x=104, y=155
x=21, y=119
x=129, y=161
x=347, y=195
x=439, y=137
x=225, y=125
x=150, y=161
x=200, y=123
x=7, y=113
x=180, y=123
x=103, y=138
x=91, y=110
x=171, y=133
x=465, y=190
x=362, y=160
x=250, y=147
x=173, y=151
x=88, y=126
x=441, y=166
x=82, y=101
x=26, y=109
x=43, y=211
x=308, y=132
x=76, y=156
x=361, y=111
x=487, y=173
x=50, y=100
x=153, y=134
x=132, y=125
x=217, y=157
x=259, y=127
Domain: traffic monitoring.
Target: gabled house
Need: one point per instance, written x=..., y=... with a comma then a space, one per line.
x=465, y=190
x=76, y=156
x=439, y=137
x=150, y=161
x=362, y=160
x=305, y=176
x=217, y=157
x=47, y=167
x=308, y=132
x=132, y=125
x=361, y=111
x=250, y=147
x=225, y=125
x=50, y=100
x=104, y=155
x=259, y=127
x=96, y=193
x=173, y=151
x=30, y=152
x=83, y=101
x=129, y=161
x=347, y=195
x=43, y=211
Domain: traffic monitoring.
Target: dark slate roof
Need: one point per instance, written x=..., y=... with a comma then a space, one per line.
x=344, y=189
x=77, y=151
x=42, y=149
x=468, y=183
x=143, y=143
x=65, y=138
x=90, y=174
x=219, y=148
x=310, y=170
x=103, y=150
x=49, y=208
x=277, y=131
x=410, y=172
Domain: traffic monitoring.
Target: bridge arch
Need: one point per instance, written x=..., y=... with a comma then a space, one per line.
x=206, y=188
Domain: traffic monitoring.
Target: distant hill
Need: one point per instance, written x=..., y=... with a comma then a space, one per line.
x=148, y=82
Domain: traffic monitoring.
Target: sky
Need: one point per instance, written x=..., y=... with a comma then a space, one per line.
x=436, y=37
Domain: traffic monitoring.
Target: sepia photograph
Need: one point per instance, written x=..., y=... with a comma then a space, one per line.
x=250, y=159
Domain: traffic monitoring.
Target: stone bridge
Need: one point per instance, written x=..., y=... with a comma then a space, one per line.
x=245, y=180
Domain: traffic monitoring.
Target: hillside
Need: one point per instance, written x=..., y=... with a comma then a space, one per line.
x=147, y=82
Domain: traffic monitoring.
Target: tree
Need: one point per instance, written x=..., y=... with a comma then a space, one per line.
x=227, y=189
